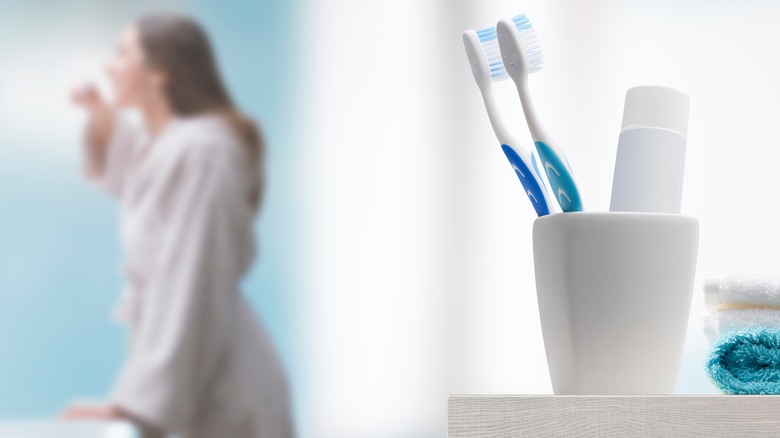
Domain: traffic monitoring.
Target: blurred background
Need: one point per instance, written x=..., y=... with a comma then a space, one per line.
x=396, y=262
x=60, y=257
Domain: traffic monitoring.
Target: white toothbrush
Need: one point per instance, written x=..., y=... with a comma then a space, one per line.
x=522, y=55
x=485, y=59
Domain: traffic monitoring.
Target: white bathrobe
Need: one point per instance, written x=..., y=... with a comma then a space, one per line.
x=199, y=365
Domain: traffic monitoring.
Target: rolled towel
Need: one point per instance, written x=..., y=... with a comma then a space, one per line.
x=742, y=290
x=723, y=321
x=747, y=362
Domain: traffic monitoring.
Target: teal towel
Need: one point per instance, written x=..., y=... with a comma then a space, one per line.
x=747, y=362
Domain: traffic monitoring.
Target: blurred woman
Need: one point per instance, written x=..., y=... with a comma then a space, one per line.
x=189, y=185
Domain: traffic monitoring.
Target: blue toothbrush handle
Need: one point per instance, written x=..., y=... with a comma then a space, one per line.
x=533, y=186
x=561, y=180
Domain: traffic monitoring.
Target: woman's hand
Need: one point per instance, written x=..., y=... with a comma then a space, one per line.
x=92, y=411
x=99, y=126
x=107, y=412
x=87, y=96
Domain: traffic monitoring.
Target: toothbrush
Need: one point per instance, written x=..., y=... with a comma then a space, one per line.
x=486, y=66
x=522, y=55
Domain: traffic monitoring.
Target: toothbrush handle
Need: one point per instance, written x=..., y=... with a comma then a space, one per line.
x=532, y=182
x=561, y=179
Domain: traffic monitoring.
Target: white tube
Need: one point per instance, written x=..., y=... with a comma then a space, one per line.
x=650, y=162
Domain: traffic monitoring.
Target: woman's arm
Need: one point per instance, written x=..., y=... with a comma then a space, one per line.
x=109, y=141
x=97, y=135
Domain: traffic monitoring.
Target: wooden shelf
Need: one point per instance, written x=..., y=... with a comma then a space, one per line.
x=505, y=416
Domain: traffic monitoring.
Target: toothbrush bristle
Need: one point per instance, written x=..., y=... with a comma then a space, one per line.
x=489, y=40
x=533, y=49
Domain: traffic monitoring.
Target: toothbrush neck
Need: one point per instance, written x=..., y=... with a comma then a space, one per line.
x=503, y=135
x=534, y=124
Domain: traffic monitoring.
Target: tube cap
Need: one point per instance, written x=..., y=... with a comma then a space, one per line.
x=658, y=107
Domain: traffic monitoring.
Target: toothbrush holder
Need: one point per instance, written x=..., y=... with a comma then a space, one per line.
x=614, y=292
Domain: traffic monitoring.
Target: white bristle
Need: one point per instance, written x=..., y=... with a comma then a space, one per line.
x=533, y=49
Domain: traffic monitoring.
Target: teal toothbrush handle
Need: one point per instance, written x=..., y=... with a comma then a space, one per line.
x=561, y=179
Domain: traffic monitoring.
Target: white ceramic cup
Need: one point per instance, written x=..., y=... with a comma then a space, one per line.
x=614, y=292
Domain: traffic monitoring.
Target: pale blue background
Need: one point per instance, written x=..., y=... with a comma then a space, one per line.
x=59, y=249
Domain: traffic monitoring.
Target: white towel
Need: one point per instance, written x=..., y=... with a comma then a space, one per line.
x=725, y=320
x=742, y=291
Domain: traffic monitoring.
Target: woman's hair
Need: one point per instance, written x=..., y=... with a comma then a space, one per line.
x=178, y=46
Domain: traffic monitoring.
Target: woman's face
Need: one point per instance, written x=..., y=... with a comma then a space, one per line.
x=135, y=82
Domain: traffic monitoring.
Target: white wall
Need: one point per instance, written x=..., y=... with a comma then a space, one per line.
x=379, y=199
x=418, y=239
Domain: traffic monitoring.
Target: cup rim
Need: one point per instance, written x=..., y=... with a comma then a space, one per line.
x=584, y=216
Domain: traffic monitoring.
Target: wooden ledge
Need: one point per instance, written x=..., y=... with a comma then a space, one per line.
x=628, y=416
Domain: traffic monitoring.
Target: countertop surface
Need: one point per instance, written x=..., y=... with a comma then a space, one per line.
x=625, y=416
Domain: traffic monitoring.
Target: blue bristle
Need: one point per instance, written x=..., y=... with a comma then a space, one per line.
x=522, y=22
x=487, y=34
x=489, y=40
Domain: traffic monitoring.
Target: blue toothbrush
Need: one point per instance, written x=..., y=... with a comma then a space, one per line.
x=486, y=65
